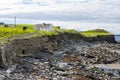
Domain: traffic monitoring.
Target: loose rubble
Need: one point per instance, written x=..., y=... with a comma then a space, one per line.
x=77, y=60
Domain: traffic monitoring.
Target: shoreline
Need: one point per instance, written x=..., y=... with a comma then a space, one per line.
x=65, y=56
x=72, y=60
x=118, y=41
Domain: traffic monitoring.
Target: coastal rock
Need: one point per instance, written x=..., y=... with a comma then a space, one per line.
x=68, y=60
x=103, y=38
x=2, y=77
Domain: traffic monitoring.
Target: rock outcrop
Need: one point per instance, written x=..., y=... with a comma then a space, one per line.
x=59, y=58
x=102, y=38
x=29, y=46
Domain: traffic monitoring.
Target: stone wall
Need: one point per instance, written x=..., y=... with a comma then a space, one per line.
x=27, y=47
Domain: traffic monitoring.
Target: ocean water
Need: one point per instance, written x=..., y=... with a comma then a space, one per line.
x=117, y=37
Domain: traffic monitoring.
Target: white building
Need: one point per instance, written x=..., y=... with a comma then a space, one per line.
x=45, y=27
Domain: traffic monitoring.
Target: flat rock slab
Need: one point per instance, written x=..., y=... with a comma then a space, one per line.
x=108, y=66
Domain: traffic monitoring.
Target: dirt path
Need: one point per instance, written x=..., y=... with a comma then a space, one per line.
x=28, y=35
x=24, y=36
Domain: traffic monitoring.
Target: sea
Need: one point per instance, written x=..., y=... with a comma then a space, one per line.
x=117, y=38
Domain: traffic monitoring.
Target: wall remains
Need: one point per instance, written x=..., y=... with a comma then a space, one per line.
x=27, y=47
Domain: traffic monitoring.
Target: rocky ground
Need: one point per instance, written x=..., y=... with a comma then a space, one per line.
x=78, y=60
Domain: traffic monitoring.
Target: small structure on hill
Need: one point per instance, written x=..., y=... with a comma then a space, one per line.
x=44, y=26
x=25, y=28
x=6, y=25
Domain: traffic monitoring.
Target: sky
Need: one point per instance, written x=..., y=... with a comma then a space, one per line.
x=60, y=12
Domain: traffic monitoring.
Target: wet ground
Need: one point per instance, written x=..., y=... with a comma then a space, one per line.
x=78, y=60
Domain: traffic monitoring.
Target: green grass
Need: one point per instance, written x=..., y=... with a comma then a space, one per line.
x=30, y=26
x=15, y=31
x=44, y=33
x=89, y=33
x=94, y=33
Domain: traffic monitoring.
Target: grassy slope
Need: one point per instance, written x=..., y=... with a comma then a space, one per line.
x=94, y=33
x=89, y=33
x=15, y=31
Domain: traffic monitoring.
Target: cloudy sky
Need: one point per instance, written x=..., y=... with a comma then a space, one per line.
x=59, y=11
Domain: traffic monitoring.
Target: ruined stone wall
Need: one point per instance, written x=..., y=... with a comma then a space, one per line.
x=27, y=47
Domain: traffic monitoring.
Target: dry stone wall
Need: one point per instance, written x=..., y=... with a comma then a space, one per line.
x=26, y=47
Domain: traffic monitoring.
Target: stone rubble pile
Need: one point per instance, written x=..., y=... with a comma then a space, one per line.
x=72, y=61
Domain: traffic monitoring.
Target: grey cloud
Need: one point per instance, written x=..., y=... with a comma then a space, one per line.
x=63, y=16
x=4, y=8
x=26, y=2
x=63, y=2
x=30, y=2
x=105, y=13
x=60, y=16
